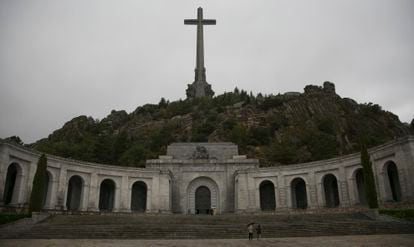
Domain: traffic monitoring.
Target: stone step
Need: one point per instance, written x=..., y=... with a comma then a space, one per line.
x=198, y=227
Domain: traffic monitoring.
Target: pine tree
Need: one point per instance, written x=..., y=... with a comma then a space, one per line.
x=370, y=189
x=36, y=197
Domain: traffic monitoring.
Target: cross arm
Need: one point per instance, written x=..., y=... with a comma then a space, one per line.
x=195, y=22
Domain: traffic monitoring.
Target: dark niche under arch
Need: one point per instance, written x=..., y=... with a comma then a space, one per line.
x=267, y=196
x=202, y=200
x=139, y=197
x=107, y=195
x=74, y=195
x=330, y=185
x=299, y=195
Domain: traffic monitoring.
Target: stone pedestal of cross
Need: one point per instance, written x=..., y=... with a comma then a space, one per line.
x=200, y=87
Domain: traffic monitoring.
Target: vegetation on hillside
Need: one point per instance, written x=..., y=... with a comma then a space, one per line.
x=277, y=129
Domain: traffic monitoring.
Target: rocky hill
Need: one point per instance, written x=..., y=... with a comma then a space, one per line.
x=278, y=129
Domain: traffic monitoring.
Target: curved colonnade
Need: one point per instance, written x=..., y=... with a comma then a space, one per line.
x=81, y=186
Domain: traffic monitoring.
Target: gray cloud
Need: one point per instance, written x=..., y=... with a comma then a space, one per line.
x=61, y=59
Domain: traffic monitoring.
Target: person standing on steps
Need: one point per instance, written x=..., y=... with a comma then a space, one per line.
x=258, y=231
x=250, y=229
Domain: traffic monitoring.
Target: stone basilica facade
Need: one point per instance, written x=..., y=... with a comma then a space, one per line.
x=204, y=177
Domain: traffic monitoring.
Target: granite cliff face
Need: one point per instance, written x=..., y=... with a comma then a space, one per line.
x=278, y=129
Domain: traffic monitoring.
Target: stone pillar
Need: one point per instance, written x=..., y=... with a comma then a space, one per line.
x=118, y=196
x=93, y=203
x=85, y=196
x=312, y=191
x=343, y=188
x=4, y=164
x=62, y=189
x=125, y=203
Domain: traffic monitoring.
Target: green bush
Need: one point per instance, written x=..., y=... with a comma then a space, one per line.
x=7, y=218
x=406, y=214
x=370, y=190
x=39, y=186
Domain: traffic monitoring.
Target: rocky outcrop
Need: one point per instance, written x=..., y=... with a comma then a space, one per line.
x=283, y=128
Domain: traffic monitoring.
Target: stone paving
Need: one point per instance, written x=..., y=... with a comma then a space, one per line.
x=337, y=241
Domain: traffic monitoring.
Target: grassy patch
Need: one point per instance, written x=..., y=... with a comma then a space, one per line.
x=6, y=218
x=406, y=214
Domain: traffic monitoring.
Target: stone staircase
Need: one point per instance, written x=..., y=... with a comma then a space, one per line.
x=203, y=226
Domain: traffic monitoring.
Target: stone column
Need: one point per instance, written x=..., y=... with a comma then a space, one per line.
x=62, y=189
x=312, y=191
x=343, y=188
x=125, y=203
x=93, y=203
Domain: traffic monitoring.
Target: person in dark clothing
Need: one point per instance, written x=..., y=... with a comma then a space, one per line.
x=258, y=231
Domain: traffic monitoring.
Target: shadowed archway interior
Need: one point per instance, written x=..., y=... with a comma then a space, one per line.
x=267, y=196
x=10, y=185
x=202, y=200
x=74, y=193
x=299, y=195
x=330, y=185
x=107, y=195
x=360, y=184
x=394, y=181
x=139, y=197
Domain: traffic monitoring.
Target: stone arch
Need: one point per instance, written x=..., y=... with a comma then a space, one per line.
x=13, y=184
x=360, y=186
x=202, y=200
x=208, y=183
x=267, y=196
x=74, y=193
x=139, y=196
x=107, y=195
x=299, y=194
x=330, y=188
x=390, y=168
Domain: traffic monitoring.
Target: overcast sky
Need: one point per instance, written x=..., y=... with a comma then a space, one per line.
x=62, y=59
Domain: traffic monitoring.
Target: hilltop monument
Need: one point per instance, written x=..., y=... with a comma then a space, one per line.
x=200, y=87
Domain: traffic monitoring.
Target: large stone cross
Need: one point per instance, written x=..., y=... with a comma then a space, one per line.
x=200, y=87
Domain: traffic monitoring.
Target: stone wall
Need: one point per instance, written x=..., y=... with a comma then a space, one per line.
x=399, y=152
x=61, y=170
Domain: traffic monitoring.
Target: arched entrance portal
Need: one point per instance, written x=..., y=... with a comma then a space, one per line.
x=360, y=184
x=330, y=185
x=394, y=181
x=202, y=200
x=299, y=196
x=267, y=196
x=12, y=184
x=74, y=195
x=139, y=197
x=202, y=194
x=107, y=195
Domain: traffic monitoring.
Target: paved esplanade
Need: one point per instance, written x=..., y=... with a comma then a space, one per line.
x=200, y=87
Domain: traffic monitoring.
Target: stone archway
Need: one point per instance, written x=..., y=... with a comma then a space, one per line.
x=330, y=185
x=13, y=184
x=139, y=197
x=202, y=185
x=393, y=181
x=107, y=195
x=298, y=192
x=202, y=200
x=74, y=195
x=360, y=186
x=267, y=196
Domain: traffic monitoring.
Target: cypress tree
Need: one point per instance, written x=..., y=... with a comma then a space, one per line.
x=370, y=189
x=36, y=197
